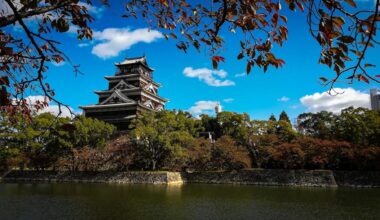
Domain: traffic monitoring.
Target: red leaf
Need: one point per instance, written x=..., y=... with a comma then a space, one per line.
x=300, y=6
x=351, y=2
x=323, y=79
x=218, y=58
x=378, y=76
x=363, y=78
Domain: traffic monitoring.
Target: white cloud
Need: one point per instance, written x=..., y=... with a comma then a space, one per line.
x=228, y=100
x=5, y=10
x=115, y=40
x=343, y=98
x=73, y=29
x=283, y=99
x=210, y=77
x=92, y=9
x=203, y=107
x=53, y=109
x=240, y=75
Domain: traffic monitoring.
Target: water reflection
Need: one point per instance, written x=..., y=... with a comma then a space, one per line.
x=192, y=201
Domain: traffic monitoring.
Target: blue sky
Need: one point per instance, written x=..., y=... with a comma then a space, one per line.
x=258, y=94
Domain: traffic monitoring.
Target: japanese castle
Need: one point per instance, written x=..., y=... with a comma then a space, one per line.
x=130, y=91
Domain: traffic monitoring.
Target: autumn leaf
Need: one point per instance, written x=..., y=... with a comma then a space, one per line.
x=248, y=69
x=173, y=35
x=300, y=6
x=369, y=65
x=218, y=58
x=323, y=79
x=363, y=78
x=346, y=39
x=351, y=2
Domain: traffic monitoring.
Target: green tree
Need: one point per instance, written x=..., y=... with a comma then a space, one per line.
x=318, y=125
x=359, y=126
x=91, y=132
x=285, y=131
x=40, y=141
x=284, y=117
x=161, y=138
x=234, y=125
x=210, y=124
x=272, y=118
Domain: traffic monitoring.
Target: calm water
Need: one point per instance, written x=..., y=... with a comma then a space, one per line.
x=193, y=201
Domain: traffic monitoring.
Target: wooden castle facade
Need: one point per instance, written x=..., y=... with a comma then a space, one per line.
x=130, y=91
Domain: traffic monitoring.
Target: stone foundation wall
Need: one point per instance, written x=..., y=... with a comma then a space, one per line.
x=95, y=177
x=357, y=178
x=275, y=177
x=321, y=178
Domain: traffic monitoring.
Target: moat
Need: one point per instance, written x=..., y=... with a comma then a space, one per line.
x=189, y=201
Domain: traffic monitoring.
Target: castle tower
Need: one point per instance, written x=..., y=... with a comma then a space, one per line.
x=130, y=91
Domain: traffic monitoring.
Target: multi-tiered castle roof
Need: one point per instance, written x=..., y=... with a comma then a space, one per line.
x=130, y=91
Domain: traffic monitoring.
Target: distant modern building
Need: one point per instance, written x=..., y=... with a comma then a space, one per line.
x=375, y=99
x=130, y=91
x=218, y=108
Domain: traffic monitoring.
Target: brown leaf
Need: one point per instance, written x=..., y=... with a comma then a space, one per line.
x=214, y=64
x=248, y=69
x=369, y=65
x=363, y=78
x=351, y=2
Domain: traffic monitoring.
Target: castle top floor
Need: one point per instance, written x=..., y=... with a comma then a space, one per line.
x=136, y=65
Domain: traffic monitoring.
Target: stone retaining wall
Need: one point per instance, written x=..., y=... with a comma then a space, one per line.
x=276, y=177
x=321, y=178
x=95, y=177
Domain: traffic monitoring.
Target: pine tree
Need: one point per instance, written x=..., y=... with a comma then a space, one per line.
x=272, y=118
x=284, y=117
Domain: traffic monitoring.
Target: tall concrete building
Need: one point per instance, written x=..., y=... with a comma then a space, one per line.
x=375, y=99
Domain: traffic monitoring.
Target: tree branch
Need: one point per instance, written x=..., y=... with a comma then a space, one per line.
x=5, y=21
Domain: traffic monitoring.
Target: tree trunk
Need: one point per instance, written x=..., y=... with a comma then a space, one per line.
x=154, y=165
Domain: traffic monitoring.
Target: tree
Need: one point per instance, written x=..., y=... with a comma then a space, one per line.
x=284, y=117
x=359, y=126
x=272, y=118
x=285, y=131
x=319, y=125
x=161, y=139
x=234, y=125
x=91, y=132
x=210, y=124
x=39, y=142
x=227, y=155
x=262, y=26
x=288, y=156
x=42, y=141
